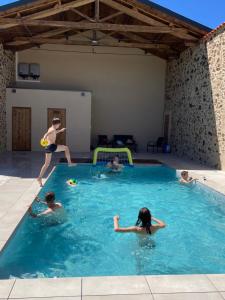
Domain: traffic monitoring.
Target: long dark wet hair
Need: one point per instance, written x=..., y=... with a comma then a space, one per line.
x=144, y=219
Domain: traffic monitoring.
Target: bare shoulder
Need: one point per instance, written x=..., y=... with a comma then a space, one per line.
x=51, y=130
x=139, y=229
x=156, y=227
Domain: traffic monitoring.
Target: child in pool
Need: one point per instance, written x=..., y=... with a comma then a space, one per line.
x=143, y=225
x=115, y=165
x=185, y=179
x=54, y=208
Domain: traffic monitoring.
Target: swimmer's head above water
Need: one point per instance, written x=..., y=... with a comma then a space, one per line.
x=144, y=219
x=50, y=198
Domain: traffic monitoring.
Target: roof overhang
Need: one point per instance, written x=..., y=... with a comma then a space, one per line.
x=111, y=23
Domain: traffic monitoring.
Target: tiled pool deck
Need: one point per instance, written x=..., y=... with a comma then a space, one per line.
x=18, y=188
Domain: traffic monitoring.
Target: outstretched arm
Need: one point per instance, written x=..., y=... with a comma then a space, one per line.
x=117, y=227
x=61, y=130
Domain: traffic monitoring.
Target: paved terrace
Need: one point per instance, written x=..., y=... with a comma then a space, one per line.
x=18, y=188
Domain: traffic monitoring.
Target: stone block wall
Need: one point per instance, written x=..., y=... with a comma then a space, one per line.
x=7, y=78
x=195, y=96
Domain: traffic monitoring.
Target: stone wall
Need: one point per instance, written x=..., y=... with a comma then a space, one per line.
x=195, y=96
x=7, y=78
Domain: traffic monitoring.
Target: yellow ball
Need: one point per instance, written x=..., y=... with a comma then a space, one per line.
x=44, y=143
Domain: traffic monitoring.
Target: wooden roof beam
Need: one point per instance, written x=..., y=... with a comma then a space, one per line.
x=97, y=10
x=26, y=7
x=143, y=18
x=76, y=11
x=92, y=26
x=164, y=16
x=135, y=37
x=47, y=34
x=112, y=16
x=49, y=12
x=87, y=43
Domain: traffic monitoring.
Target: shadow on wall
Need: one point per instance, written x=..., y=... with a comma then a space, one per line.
x=193, y=98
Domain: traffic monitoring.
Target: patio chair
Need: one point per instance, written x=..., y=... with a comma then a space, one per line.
x=156, y=145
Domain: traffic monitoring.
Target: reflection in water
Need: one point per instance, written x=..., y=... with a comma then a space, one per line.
x=143, y=253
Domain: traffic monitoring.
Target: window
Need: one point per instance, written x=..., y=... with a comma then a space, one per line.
x=28, y=72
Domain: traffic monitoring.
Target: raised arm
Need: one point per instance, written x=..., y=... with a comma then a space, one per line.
x=117, y=227
x=160, y=224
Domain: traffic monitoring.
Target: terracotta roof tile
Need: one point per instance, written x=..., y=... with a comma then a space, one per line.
x=214, y=31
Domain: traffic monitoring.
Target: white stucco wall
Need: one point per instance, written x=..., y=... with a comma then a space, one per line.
x=127, y=86
x=78, y=115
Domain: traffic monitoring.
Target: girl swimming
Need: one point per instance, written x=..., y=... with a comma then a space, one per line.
x=143, y=225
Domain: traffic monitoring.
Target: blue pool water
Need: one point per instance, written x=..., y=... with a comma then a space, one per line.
x=86, y=245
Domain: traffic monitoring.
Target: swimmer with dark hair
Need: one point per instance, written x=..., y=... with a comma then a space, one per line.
x=51, y=204
x=143, y=225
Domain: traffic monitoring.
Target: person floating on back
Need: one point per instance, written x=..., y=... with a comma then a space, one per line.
x=54, y=209
x=143, y=225
x=115, y=165
x=50, y=136
x=185, y=179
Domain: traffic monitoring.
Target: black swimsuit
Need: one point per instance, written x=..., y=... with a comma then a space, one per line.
x=51, y=148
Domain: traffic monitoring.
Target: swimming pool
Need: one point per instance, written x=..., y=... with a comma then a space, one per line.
x=86, y=244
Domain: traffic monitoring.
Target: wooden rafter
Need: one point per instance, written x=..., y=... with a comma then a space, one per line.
x=26, y=8
x=47, y=34
x=95, y=26
x=163, y=16
x=112, y=16
x=87, y=43
x=76, y=11
x=97, y=10
x=143, y=18
x=49, y=12
x=135, y=37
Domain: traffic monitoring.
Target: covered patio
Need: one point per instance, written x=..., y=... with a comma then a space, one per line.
x=101, y=66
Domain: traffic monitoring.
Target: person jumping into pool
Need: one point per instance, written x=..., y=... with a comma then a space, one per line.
x=50, y=136
x=185, y=179
x=115, y=165
x=143, y=225
x=53, y=207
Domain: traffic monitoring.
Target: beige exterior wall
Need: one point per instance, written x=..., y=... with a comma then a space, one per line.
x=127, y=86
x=78, y=115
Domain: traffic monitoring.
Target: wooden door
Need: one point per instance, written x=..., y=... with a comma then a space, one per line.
x=61, y=114
x=21, y=128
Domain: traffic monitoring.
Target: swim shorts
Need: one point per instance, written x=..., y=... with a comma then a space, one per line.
x=51, y=148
